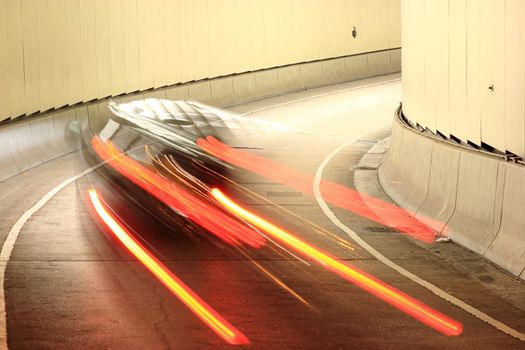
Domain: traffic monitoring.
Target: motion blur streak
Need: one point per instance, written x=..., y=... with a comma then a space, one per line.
x=209, y=316
x=196, y=209
x=404, y=302
x=344, y=197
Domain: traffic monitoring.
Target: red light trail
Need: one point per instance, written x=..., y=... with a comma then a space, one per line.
x=198, y=306
x=402, y=301
x=196, y=209
x=344, y=197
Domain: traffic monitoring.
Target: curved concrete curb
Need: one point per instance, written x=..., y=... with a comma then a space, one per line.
x=27, y=143
x=476, y=199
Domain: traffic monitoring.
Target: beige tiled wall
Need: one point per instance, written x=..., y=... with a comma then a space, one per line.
x=55, y=53
x=453, y=50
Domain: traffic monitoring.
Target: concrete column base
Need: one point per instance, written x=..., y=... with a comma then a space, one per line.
x=476, y=199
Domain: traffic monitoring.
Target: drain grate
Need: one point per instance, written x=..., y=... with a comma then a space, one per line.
x=364, y=167
x=283, y=194
x=370, y=142
x=380, y=229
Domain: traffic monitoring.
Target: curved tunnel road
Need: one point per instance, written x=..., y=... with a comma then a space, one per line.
x=67, y=286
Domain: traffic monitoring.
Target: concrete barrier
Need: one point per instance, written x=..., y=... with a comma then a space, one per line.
x=178, y=92
x=475, y=198
x=356, y=67
x=200, y=92
x=244, y=88
x=379, y=63
x=21, y=147
x=409, y=185
x=507, y=249
x=289, y=79
x=160, y=93
x=395, y=60
x=475, y=221
x=27, y=143
x=440, y=201
x=312, y=75
x=266, y=82
x=8, y=166
x=334, y=71
x=387, y=172
x=222, y=92
x=61, y=120
x=44, y=138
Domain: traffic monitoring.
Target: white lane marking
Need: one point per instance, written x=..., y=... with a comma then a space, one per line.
x=320, y=95
x=434, y=289
x=9, y=244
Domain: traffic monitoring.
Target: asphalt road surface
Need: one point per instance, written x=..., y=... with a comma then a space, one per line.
x=70, y=285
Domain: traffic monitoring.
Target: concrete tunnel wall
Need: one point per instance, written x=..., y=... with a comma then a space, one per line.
x=453, y=51
x=475, y=197
x=29, y=141
x=59, y=53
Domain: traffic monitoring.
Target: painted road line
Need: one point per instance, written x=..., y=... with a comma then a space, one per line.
x=402, y=271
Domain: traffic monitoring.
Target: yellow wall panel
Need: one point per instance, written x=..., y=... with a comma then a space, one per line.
x=405, y=56
x=381, y=23
x=338, y=33
x=356, y=10
x=194, y=40
x=102, y=32
x=515, y=77
x=418, y=62
x=31, y=56
x=493, y=73
x=117, y=33
x=173, y=42
x=244, y=37
x=219, y=64
x=298, y=22
x=59, y=48
x=89, y=49
x=159, y=44
x=131, y=43
x=324, y=31
x=74, y=51
x=441, y=37
x=257, y=31
x=374, y=24
x=311, y=38
x=430, y=61
x=15, y=57
x=472, y=84
x=62, y=52
x=458, y=69
x=474, y=70
x=145, y=44
x=5, y=111
x=394, y=23
x=45, y=50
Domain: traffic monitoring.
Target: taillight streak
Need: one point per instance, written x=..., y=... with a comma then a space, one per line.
x=344, y=197
x=196, y=209
x=198, y=306
x=402, y=301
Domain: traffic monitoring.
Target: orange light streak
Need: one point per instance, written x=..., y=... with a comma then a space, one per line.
x=344, y=197
x=198, y=306
x=198, y=210
x=402, y=301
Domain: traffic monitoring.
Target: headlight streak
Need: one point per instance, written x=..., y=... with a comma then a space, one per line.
x=198, y=210
x=344, y=197
x=402, y=301
x=198, y=306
